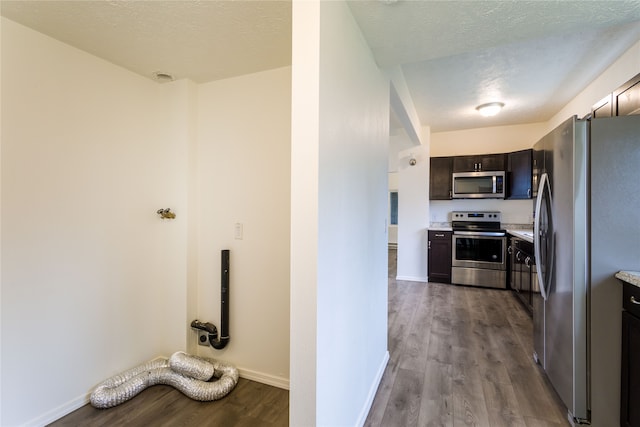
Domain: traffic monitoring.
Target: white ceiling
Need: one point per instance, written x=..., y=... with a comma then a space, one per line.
x=201, y=40
x=532, y=55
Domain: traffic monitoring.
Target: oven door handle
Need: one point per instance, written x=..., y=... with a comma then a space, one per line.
x=480, y=234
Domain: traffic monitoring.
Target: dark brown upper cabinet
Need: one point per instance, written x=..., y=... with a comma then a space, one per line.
x=440, y=178
x=603, y=108
x=626, y=99
x=478, y=163
x=519, y=174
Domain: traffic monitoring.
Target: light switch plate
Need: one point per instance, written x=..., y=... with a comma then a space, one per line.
x=237, y=231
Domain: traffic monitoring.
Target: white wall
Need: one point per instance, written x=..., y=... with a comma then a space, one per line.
x=489, y=140
x=339, y=153
x=305, y=141
x=93, y=281
x=244, y=146
x=413, y=212
x=89, y=152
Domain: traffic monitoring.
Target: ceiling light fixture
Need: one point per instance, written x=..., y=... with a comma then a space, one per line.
x=163, y=77
x=490, y=109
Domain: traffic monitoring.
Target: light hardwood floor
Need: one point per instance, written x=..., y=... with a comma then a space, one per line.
x=460, y=356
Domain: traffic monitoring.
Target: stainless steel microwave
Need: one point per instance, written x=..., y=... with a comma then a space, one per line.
x=478, y=185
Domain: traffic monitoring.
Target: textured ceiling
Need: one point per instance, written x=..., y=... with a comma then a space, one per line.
x=200, y=40
x=535, y=56
x=532, y=55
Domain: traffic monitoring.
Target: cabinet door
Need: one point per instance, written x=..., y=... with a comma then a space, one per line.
x=439, y=263
x=519, y=174
x=492, y=162
x=602, y=108
x=630, y=384
x=484, y=162
x=465, y=163
x=440, y=178
x=626, y=99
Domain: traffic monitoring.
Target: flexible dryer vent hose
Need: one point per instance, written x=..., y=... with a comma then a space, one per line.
x=189, y=374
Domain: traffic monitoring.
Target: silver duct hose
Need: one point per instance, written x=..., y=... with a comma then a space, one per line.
x=189, y=374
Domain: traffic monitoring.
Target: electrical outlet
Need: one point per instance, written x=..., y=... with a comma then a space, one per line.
x=203, y=338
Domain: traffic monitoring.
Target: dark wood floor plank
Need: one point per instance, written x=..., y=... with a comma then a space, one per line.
x=477, y=365
x=404, y=404
x=249, y=404
x=417, y=342
x=379, y=405
x=436, y=405
x=400, y=325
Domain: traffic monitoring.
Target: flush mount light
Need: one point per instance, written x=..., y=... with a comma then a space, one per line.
x=490, y=109
x=163, y=77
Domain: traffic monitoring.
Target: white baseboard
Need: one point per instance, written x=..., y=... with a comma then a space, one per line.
x=372, y=391
x=412, y=278
x=263, y=378
x=59, y=412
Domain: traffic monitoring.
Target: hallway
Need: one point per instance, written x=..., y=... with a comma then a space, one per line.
x=460, y=356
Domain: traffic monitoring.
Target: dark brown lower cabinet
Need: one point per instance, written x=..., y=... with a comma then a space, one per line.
x=630, y=384
x=439, y=263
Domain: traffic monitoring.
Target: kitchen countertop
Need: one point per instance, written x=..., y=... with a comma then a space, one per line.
x=631, y=277
x=522, y=234
x=440, y=226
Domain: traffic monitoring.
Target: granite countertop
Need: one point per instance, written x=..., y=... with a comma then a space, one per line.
x=440, y=228
x=631, y=277
x=523, y=234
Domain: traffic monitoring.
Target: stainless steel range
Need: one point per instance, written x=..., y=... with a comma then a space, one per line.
x=479, y=249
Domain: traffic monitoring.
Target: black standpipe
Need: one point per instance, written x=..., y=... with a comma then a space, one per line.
x=224, y=304
x=221, y=343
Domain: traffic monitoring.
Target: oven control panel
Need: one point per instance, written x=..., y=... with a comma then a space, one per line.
x=476, y=216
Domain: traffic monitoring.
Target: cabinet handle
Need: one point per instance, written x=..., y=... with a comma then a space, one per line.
x=479, y=166
x=634, y=300
x=527, y=262
x=529, y=193
x=429, y=245
x=510, y=250
x=439, y=235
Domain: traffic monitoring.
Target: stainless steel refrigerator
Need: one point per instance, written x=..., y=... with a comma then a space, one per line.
x=586, y=228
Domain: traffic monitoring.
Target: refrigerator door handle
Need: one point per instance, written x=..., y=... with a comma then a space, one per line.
x=544, y=183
